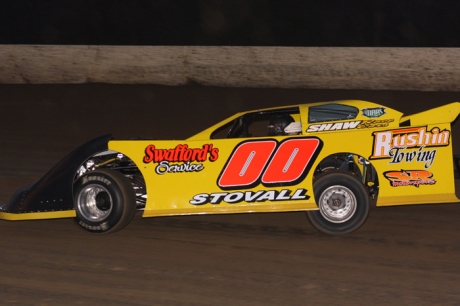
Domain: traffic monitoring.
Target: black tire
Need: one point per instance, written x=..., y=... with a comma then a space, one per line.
x=104, y=201
x=343, y=203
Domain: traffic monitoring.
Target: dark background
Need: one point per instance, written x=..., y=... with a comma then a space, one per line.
x=378, y=23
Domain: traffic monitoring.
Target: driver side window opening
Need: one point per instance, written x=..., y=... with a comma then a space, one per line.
x=261, y=124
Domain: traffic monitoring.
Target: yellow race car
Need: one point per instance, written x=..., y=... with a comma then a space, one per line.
x=333, y=160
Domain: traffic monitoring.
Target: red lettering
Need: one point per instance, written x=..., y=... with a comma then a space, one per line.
x=290, y=161
x=246, y=163
x=287, y=163
x=161, y=155
x=181, y=153
x=214, y=154
x=149, y=152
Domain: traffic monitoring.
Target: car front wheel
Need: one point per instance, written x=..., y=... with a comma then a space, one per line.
x=104, y=201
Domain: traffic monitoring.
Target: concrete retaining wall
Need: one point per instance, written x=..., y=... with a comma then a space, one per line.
x=429, y=69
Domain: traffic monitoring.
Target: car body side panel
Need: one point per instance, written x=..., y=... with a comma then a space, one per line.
x=419, y=165
x=37, y=215
x=179, y=184
x=415, y=165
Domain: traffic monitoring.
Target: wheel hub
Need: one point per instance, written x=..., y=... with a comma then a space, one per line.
x=103, y=201
x=94, y=203
x=337, y=204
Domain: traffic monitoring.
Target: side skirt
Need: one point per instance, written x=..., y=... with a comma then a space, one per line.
x=37, y=215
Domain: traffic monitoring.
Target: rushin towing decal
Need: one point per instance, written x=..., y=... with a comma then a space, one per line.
x=409, y=145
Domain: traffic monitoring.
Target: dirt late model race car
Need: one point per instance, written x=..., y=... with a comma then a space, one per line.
x=333, y=160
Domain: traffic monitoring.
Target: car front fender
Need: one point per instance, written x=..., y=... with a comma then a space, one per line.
x=54, y=191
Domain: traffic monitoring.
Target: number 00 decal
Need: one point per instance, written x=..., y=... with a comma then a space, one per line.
x=269, y=162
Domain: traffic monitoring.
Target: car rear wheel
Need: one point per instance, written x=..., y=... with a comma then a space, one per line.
x=104, y=201
x=343, y=203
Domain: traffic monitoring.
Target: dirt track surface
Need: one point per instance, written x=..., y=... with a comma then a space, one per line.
x=402, y=255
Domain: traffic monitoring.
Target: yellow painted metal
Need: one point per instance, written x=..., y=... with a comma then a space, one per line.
x=441, y=168
x=172, y=193
x=216, y=209
x=442, y=114
x=38, y=215
x=436, y=198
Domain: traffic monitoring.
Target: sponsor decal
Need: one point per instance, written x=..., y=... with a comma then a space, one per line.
x=269, y=162
x=371, y=124
x=104, y=226
x=409, y=145
x=181, y=158
x=333, y=126
x=249, y=196
x=101, y=179
x=349, y=125
x=375, y=112
x=409, y=178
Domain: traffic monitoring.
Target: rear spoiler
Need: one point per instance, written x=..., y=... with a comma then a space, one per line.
x=441, y=114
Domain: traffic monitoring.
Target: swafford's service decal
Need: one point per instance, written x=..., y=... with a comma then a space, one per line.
x=181, y=158
x=409, y=178
x=409, y=145
x=267, y=162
